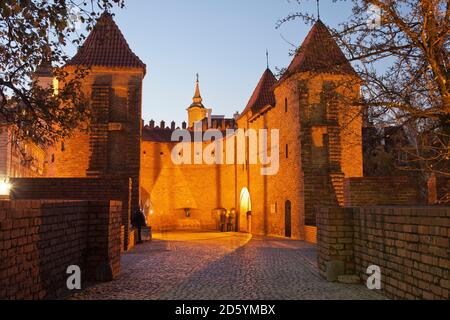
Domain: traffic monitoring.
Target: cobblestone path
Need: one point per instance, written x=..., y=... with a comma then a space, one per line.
x=220, y=266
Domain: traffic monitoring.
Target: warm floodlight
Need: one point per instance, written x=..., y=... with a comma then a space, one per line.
x=5, y=188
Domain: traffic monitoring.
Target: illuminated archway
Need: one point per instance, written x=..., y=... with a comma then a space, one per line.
x=245, y=211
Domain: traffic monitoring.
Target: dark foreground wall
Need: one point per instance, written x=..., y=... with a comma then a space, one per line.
x=381, y=191
x=79, y=189
x=39, y=240
x=411, y=245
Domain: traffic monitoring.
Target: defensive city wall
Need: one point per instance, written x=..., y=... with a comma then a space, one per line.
x=40, y=240
x=119, y=189
x=372, y=191
x=410, y=245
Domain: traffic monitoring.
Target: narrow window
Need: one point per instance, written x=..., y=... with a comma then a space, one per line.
x=63, y=147
x=287, y=151
x=285, y=105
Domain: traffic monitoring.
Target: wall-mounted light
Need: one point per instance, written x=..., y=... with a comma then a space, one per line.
x=5, y=188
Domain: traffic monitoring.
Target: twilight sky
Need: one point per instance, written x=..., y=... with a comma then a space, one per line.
x=223, y=40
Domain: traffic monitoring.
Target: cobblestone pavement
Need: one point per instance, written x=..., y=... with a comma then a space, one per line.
x=232, y=266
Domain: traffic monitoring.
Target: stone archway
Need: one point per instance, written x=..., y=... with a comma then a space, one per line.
x=245, y=209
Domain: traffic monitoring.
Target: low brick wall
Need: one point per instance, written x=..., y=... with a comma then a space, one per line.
x=381, y=191
x=411, y=245
x=78, y=189
x=39, y=240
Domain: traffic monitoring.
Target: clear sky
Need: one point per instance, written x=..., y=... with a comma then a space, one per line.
x=223, y=40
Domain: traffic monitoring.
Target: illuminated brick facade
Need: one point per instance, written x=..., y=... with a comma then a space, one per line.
x=111, y=147
x=318, y=147
x=22, y=159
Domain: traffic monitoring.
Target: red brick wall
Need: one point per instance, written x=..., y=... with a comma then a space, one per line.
x=410, y=244
x=40, y=239
x=77, y=189
x=443, y=190
x=380, y=191
x=335, y=237
x=4, y=151
x=111, y=148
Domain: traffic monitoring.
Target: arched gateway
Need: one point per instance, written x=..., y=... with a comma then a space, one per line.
x=245, y=211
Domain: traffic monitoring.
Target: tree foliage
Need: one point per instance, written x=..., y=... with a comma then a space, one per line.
x=400, y=50
x=34, y=34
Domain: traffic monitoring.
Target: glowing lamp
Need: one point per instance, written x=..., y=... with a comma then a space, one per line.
x=5, y=188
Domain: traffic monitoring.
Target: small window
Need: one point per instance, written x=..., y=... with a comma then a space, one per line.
x=53, y=158
x=285, y=105
x=63, y=147
x=287, y=151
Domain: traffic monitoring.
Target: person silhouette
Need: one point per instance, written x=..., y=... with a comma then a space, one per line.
x=138, y=221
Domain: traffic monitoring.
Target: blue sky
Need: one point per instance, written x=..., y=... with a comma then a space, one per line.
x=223, y=40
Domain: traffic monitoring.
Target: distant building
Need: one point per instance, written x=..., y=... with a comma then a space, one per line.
x=19, y=160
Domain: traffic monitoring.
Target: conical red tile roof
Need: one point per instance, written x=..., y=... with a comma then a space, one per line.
x=263, y=94
x=319, y=53
x=106, y=46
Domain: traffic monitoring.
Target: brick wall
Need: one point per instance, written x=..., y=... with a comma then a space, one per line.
x=78, y=189
x=443, y=190
x=331, y=143
x=15, y=160
x=39, y=240
x=410, y=244
x=375, y=191
x=112, y=146
x=3, y=151
x=335, y=238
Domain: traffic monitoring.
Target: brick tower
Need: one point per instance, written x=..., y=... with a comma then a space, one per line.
x=114, y=85
x=325, y=86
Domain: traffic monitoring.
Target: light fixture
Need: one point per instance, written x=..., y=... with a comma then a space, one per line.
x=5, y=188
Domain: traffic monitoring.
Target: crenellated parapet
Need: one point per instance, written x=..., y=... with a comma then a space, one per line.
x=162, y=131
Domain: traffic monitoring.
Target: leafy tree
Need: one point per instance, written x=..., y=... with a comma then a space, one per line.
x=400, y=50
x=33, y=36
